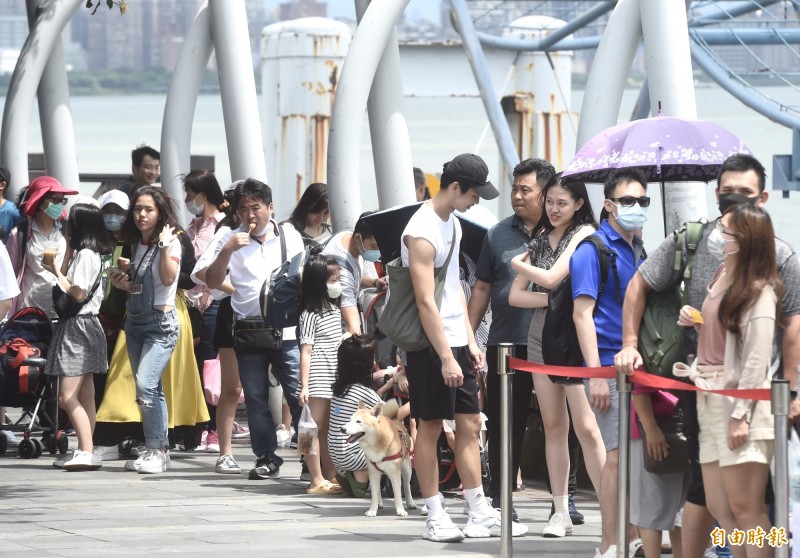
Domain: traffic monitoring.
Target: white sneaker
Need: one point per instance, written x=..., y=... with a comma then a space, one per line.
x=610, y=552
x=284, y=436
x=12, y=438
x=203, y=445
x=560, y=526
x=83, y=461
x=488, y=525
x=154, y=461
x=135, y=465
x=60, y=461
x=442, y=529
x=106, y=453
x=227, y=465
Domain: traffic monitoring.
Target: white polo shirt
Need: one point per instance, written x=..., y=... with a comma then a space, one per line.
x=250, y=266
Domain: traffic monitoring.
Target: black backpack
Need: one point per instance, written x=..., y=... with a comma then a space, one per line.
x=280, y=294
x=560, y=345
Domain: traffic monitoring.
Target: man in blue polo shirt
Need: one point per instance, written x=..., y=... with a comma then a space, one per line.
x=600, y=331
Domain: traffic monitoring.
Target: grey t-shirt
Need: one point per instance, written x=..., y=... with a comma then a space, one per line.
x=350, y=273
x=658, y=272
x=505, y=240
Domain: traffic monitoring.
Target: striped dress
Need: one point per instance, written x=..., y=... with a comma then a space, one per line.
x=323, y=331
x=346, y=456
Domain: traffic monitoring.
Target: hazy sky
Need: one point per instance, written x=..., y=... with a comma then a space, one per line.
x=416, y=10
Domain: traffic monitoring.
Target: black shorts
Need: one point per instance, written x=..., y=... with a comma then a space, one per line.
x=430, y=398
x=223, y=333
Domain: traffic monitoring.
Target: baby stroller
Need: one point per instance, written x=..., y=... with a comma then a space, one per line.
x=24, y=340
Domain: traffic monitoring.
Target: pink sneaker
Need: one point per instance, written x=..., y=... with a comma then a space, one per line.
x=212, y=442
x=203, y=445
x=240, y=431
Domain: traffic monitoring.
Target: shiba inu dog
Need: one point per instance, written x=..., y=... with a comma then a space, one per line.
x=388, y=447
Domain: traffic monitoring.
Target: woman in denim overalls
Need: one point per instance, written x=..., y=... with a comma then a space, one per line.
x=151, y=324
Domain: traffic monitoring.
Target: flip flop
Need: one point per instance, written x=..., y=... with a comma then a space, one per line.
x=327, y=487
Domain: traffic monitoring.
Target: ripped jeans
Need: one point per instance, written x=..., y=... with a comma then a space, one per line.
x=151, y=339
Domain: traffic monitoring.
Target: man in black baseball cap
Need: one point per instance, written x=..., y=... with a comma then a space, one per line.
x=442, y=377
x=470, y=171
x=9, y=214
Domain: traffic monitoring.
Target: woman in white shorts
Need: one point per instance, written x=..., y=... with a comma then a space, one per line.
x=734, y=352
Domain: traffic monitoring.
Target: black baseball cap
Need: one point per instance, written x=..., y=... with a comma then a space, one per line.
x=470, y=170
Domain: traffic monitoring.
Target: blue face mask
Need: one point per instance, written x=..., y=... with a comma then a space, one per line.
x=368, y=255
x=113, y=222
x=631, y=218
x=54, y=210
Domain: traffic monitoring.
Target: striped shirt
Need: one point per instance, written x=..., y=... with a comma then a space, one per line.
x=324, y=333
x=346, y=456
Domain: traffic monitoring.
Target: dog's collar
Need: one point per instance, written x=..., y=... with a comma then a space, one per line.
x=394, y=456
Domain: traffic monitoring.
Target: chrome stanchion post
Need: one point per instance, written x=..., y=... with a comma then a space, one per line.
x=503, y=352
x=780, y=410
x=623, y=452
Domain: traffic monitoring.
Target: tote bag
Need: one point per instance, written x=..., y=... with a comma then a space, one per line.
x=400, y=319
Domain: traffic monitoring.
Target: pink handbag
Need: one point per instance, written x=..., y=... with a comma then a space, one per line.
x=212, y=381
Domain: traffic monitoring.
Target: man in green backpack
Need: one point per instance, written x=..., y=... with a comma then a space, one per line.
x=741, y=179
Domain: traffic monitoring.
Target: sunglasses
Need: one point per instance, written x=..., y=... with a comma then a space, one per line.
x=57, y=201
x=629, y=201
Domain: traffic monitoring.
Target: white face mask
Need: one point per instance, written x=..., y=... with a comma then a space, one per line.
x=334, y=289
x=194, y=208
x=716, y=245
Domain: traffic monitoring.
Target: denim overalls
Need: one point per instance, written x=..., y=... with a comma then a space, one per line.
x=151, y=338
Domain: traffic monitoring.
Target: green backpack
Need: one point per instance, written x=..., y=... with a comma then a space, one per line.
x=662, y=341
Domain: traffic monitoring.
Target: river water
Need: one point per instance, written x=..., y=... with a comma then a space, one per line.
x=108, y=127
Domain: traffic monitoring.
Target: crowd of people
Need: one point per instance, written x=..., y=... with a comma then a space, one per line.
x=142, y=306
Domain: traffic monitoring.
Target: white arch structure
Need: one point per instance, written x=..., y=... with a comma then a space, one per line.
x=218, y=22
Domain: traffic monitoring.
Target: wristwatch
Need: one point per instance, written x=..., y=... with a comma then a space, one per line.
x=162, y=245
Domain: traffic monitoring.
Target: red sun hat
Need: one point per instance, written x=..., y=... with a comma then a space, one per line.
x=39, y=188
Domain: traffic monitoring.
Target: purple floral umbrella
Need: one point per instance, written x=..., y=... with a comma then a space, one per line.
x=666, y=149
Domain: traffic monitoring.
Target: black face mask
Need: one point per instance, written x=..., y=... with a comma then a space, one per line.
x=728, y=200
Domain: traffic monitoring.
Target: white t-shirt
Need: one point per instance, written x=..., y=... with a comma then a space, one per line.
x=82, y=272
x=425, y=223
x=37, y=282
x=350, y=278
x=164, y=295
x=205, y=259
x=250, y=266
x=8, y=281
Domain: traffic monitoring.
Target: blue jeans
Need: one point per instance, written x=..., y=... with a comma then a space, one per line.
x=255, y=383
x=150, y=341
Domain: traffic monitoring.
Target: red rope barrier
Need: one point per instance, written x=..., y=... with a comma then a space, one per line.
x=639, y=377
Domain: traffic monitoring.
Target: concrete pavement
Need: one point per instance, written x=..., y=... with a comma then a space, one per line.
x=192, y=510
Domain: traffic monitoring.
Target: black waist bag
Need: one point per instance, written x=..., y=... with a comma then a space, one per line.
x=252, y=335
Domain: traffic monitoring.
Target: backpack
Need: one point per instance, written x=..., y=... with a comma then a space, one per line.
x=662, y=342
x=280, y=294
x=560, y=345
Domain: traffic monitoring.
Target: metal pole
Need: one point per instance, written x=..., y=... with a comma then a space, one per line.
x=503, y=352
x=477, y=60
x=237, y=87
x=780, y=410
x=55, y=116
x=624, y=389
x=184, y=87
x=388, y=129
x=22, y=90
x=352, y=92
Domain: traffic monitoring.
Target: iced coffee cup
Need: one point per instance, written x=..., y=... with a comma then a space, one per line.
x=50, y=252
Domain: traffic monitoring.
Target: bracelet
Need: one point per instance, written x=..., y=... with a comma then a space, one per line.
x=375, y=283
